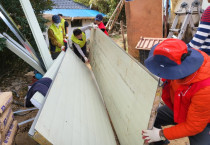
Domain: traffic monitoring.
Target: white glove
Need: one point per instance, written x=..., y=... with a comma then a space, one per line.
x=63, y=48
x=151, y=135
x=65, y=40
x=94, y=26
x=67, y=35
x=86, y=59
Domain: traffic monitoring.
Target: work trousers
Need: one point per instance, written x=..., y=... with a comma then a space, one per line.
x=165, y=117
x=55, y=55
x=84, y=50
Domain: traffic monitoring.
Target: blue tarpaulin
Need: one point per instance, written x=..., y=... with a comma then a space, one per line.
x=74, y=12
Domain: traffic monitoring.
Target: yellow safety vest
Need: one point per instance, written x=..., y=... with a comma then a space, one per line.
x=82, y=42
x=58, y=35
x=63, y=25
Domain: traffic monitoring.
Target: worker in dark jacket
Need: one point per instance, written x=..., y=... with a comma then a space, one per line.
x=98, y=21
x=56, y=37
x=186, y=89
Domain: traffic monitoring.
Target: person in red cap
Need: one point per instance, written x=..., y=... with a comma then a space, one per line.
x=98, y=21
x=186, y=93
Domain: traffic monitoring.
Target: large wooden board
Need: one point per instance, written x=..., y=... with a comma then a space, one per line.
x=126, y=86
x=74, y=113
x=143, y=18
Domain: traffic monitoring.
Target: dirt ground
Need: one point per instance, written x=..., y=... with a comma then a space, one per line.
x=119, y=40
x=19, y=81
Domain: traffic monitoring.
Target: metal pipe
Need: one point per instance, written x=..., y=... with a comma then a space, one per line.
x=21, y=111
x=25, y=122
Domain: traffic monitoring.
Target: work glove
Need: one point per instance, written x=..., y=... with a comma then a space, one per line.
x=86, y=59
x=94, y=26
x=67, y=36
x=65, y=40
x=63, y=48
x=151, y=135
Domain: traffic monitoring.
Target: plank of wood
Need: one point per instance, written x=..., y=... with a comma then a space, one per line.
x=74, y=113
x=127, y=87
x=37, y=33
x=143, y=18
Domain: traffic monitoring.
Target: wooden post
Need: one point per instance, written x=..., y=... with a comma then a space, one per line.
x=122, y=31
x=166, y=20
x=115, y=15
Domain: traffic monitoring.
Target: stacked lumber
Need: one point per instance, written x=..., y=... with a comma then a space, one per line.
x=8, y=126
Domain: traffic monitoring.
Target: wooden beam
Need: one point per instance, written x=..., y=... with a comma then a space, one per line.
x=122, y=32
x=115, y=15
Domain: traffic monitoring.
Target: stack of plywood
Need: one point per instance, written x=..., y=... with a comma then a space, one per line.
x=8, y=126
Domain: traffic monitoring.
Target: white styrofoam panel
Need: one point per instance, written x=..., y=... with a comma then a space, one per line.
x=74, y=113
x=126, y=86
x=37, y=33
x=38, y=98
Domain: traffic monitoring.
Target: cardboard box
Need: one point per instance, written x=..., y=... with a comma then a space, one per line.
x=9, y=122
x=10, y=136
x=0, y=139
x=5, y=100
x=4, y=118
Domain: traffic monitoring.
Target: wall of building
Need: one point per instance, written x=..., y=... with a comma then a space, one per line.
x=144, y=18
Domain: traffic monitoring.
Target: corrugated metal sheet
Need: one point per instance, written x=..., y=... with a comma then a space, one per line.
x=74, y=12
x=68, y=4
x=148, y=43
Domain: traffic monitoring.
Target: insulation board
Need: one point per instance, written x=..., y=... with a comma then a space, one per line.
x=127, y=87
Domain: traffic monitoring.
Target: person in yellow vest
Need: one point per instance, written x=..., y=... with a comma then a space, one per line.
x=56, y=37
x=79, y=42
x=64, y=24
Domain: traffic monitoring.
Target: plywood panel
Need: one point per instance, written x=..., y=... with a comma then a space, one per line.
x=144, y=18
x=74, y=113
x=126, y=86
